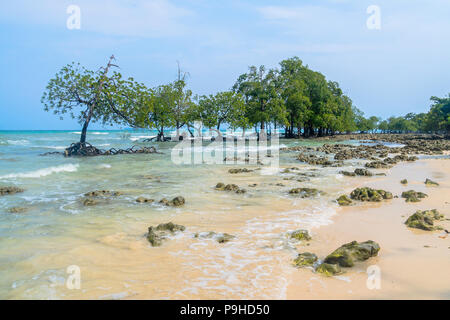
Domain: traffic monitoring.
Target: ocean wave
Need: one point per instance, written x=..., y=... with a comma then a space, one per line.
x=20, y=142
x=141, y=137
x=43, y=172
x=97, y=133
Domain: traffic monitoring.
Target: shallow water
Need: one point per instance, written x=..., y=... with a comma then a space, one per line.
x=107, y=242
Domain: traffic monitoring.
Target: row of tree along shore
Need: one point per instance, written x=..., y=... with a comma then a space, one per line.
x=291, y=98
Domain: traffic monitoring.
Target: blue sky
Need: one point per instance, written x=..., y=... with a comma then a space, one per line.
x=386, y=72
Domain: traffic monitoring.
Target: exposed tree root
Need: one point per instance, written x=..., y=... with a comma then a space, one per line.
x=87, y=150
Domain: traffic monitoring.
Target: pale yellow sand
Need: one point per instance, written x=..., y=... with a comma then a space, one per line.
x=408, y=269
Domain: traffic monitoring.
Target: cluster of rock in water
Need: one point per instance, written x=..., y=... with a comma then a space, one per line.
x=229, y=187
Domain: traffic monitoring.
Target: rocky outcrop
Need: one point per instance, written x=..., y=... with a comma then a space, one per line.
x=88, y=202
x=229, y=187
x=429, y=182
x=369, y=194
x=424, y=220
x=156, y=235
x=404, y=181
x=413, y=196
x=329, y=269
x=344, y=200
x=10, y=190
x=239, y=170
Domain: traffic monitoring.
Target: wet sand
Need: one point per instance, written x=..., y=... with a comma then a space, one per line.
x=413, y=264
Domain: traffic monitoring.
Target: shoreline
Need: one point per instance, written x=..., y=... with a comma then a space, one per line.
x=413, y=263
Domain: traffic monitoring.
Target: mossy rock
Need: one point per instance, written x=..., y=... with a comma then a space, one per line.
x=348, y=173
x=306, y=192
x=300, y=235
x=157, y=234
x=175, y=202
x=230, y=187
x=363, y=172
x=240, y=170
x=329, y=270
x=404, y=181
x=369, y=194
x=344, y=200
x=347, y=254
x=103, y=193
x=424, y=220
x=10, y=190
x=144, y=200
x=305, y=259
x=429, y=182
x=220, y=186
x=413, y=196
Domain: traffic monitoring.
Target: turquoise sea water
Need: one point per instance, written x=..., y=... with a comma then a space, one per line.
x=108, y=241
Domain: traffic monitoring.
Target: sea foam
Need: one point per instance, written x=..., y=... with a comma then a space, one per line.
x=43, y=172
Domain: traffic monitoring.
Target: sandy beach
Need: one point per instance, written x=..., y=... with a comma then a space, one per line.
x=413, y=264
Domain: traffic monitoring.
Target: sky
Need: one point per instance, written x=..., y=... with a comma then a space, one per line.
x=390, y=70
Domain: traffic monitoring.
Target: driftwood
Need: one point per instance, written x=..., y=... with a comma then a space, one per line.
x=87, y=150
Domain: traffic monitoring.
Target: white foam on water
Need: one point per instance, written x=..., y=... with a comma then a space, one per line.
x=21, y=142
x=43, y=172
x=136, y=138
x=104, y=166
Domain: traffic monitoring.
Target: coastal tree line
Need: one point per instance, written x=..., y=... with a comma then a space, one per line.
x=291, y=98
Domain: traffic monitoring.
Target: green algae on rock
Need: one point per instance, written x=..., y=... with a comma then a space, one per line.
x=159, y=233
x=424, y=220
x=413, y=196
x=344, y=200
x=305, y=259
x=369, y=194
x=10, y=190
x=306, y=192
x=175, y=202
x=328, y=269
x=300, y=235
x=429, y=182
x=347, y=254
x=229, y=187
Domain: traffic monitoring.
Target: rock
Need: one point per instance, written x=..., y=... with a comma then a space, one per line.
x=220, y=186
x=90, y=202
x=424, y=220
x=300, y=235
x=103, y=193
x=369, y=194
x=344, y=200
x=377, y=165
x=329, y=269
x=429, y=182
x=253, y=185
x=175, y=202
x=219, y=237
x=413, y=196
x=230, y=187
x=240, y=170
x=404, y=181
x=17, y=210
x=157, y=234
x=347, y=173
x=363, y=172
x=306, y=192
x=144, y=200
x=305, y=259
x=10, y=190
x=347, y=254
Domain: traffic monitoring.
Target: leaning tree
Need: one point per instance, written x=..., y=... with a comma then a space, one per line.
x=94, y=96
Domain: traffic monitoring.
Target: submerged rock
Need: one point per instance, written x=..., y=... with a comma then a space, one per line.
x=305, y=259
x=219, y=237
x=363, y=172
x=347, y=254
x=103, y=193
x=306, y=192
x=344, y=200
x=377, y=165
x=369, y=194
x=17, y=210
x=90, y=202
x=239, y=170
x=159, y=233
x=429, y=182
x=328, y=269
x=10, y=190
x=424, y=220
x=175, y=202
x=404, y=181
x=413, y=196
x=144, y=200
x=348, y=173
x=229, y=187
x=300, y=235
